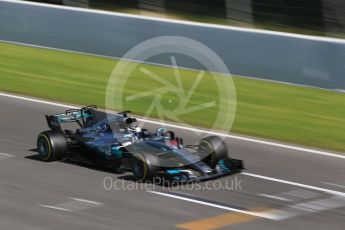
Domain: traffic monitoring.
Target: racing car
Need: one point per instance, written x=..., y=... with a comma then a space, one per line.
x=116, y=141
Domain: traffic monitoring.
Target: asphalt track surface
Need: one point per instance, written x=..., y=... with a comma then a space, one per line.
x=307, y=192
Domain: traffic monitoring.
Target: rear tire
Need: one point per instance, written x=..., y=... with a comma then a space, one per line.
x=51, y=145
x=215, y=149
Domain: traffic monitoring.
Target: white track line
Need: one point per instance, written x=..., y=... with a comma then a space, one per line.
x=77, y=204
x=272, y=215
x=336, y=185
x=54, y=207
x=181, y=22
x=37, y=101
x=333, y=192
x=305, y=208
x=6, y=155
x=274, y=197
x=86, y=201
x=264, y=142
x=257, y=214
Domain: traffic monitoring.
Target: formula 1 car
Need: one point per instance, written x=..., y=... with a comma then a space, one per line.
x=115, y=141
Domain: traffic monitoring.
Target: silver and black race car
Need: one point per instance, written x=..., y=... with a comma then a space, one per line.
x=115, y=141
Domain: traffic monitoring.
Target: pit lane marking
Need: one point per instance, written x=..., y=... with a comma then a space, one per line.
x=305, y=208
x=86, y=201
x=76, y=204
x=295, y=195
x=275, y=214
x=4, y=156
x=301, y=194
x=273, y=197
x=335, y=185
x=54, y=207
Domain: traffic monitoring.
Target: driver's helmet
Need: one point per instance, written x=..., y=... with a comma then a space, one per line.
x=161, y=132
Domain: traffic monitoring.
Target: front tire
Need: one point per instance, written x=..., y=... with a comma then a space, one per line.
x=215, y=150
x=51, y=145
x=144, y=168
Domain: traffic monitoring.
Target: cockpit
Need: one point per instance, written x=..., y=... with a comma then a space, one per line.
x=115, y=124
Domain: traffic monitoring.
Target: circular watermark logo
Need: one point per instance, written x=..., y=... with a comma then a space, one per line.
x=170, y=96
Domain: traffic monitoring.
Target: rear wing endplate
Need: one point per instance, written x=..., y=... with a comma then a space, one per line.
x=71, y=115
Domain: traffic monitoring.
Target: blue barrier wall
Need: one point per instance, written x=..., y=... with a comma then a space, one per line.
x=274, y=56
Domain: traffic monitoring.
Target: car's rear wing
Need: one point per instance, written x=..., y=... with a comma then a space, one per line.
x=79, y=116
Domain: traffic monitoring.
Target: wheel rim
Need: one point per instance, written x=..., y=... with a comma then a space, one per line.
x=139, y=169
x=43, y=148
